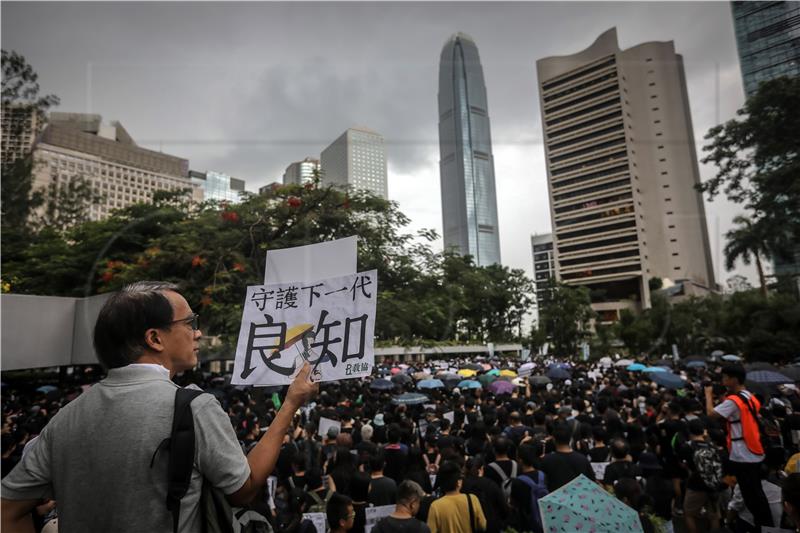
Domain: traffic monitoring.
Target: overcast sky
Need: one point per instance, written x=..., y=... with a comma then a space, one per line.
x=247, y=88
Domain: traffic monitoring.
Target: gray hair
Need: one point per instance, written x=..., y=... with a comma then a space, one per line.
x=408, y=491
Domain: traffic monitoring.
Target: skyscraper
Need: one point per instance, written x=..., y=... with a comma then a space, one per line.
x=20, y=127
x=300, y=172
x=356, y=159
x=466, y=165
x=218, y=186
x=622, y=167
x=768, y=40
x=544, y=267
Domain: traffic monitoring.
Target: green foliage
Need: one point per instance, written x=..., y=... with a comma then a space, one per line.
x=215, y=250
x=748, y=241
x=566, y=317
x=758, y=162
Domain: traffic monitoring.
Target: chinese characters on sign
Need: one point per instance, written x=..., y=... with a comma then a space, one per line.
x=329, y=323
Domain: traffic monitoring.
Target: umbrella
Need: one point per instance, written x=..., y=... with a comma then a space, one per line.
x=635, y=367
x=668, y=380
x=717, y=353
x=582, y=505
x=623, y=362
x=606, y=361
x=791, y=372
x=696, y=358
x=401, y=379
x=381, y=384
x=493, y=372
x=466, y=372
x=731, y=357
x=768, y=377
x=663, y=362
x=519, y=382
x=486, y=366
x=501, y=387
x=410, y=398
x=696, y=364
x=470, y=384
x=557, y=373
x=395, y=370
x=761, y=366
x=508, y=373
x=430, y=384
x=560, y=365
x=421, y=375
x=46, y=388
x=526, y=368
x=650, y=369
x=485, y=379
x=473, y=366
x=539, y=380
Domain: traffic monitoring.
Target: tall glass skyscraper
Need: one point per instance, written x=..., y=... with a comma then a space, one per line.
x=469, y=201
x=768, y=39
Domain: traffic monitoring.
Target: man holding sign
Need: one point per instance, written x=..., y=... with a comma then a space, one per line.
x=105, y=445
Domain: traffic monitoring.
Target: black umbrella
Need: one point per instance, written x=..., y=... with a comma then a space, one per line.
x=791, y=372
x=668, y=380
x=557, y=373
x=381, y=384
x=473, y=366
x=768, y=377
x=401, y=379
x=663, y=362
x=761, y=365
x=538, y=381
x=695, y=358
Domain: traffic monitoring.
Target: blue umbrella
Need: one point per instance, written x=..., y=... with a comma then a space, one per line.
x=768, y=377
x=668, y=380
x=46, y=388
x=410, y=398
x=470, y=384
x=381, y=384
x=696, y=364
x=731, y=357
x=557, y=373
x=654, y=369
x=635, y=367
x=430, y=384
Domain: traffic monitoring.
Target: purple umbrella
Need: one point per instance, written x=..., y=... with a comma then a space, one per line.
x=501, y=387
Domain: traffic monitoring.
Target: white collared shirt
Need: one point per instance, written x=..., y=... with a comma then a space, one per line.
x=157, y=367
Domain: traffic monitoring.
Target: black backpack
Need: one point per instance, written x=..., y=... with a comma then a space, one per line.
x=217, y=516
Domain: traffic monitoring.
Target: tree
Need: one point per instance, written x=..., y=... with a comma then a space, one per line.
x=748, y=242
x=758, y=161
x=566, y=317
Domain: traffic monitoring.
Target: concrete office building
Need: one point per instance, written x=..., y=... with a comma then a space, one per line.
x=466, y=164
x=20, y=127
x=301, y=172
x=76, y=145
x=621, y=168
x=768, y=41
x=356, y=159
x=544, y=266
x=218, y=186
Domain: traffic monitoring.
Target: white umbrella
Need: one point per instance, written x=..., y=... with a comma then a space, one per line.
x=624, y=362
x=607, y=361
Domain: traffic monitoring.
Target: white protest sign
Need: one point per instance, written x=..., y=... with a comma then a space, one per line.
x=330, y=323
x=326, y=423
x=423, y=425
x=324, y=260
x=319, y=520
x=599, y=470
x=374, y=514
x=451, y=416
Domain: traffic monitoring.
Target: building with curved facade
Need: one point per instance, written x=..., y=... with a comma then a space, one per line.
x=466, y=165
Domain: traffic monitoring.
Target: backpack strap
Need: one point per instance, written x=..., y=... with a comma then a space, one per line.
x=315, y=497
x=471, y=513
x=180, y=444
x=513, y=469
x=500, y=471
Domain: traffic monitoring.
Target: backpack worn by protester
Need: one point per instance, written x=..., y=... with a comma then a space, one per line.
x=538, y=491
x=768, y=428
x=505, y=480
x=708, y=464
x=217, y=516
x=320, y=505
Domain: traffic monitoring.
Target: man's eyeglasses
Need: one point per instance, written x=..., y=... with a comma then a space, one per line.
x=193, y=320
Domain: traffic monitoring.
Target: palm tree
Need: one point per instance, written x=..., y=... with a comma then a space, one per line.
x=747, y=241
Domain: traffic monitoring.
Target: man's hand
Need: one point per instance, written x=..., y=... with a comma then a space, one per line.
x=301, y=390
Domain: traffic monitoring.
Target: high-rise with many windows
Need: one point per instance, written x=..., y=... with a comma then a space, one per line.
x=301, y=172
x=20, y=127
x=79, y=145
x=622, y=171
x=356, y=159
x=768, y=40
x=218, y=186
x=466, y=164
x=544, y=267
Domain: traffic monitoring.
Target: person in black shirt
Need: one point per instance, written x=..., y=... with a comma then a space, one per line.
x=600, y=453
x=409, y=499
x=563, y=465
x=621, y=465
x=493, y=501
x=509, y=467
x=382, y=489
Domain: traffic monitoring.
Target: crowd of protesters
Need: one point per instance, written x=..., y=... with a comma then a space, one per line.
x=708, y=455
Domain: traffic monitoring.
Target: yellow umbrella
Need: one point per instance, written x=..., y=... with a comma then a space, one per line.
x=508, y=373
x=467, y=373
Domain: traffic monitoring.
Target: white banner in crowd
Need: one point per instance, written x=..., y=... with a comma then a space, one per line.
x=599, y=470
x=330, y=323
x=374, y=514
x=326, y=423
x=319, y=520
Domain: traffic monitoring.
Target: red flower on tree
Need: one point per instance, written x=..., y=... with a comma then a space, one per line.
x=294, y=201
x=238, y=267
x=107, y=276
x=230, y=216
x=198, y=261
x=205, y=301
